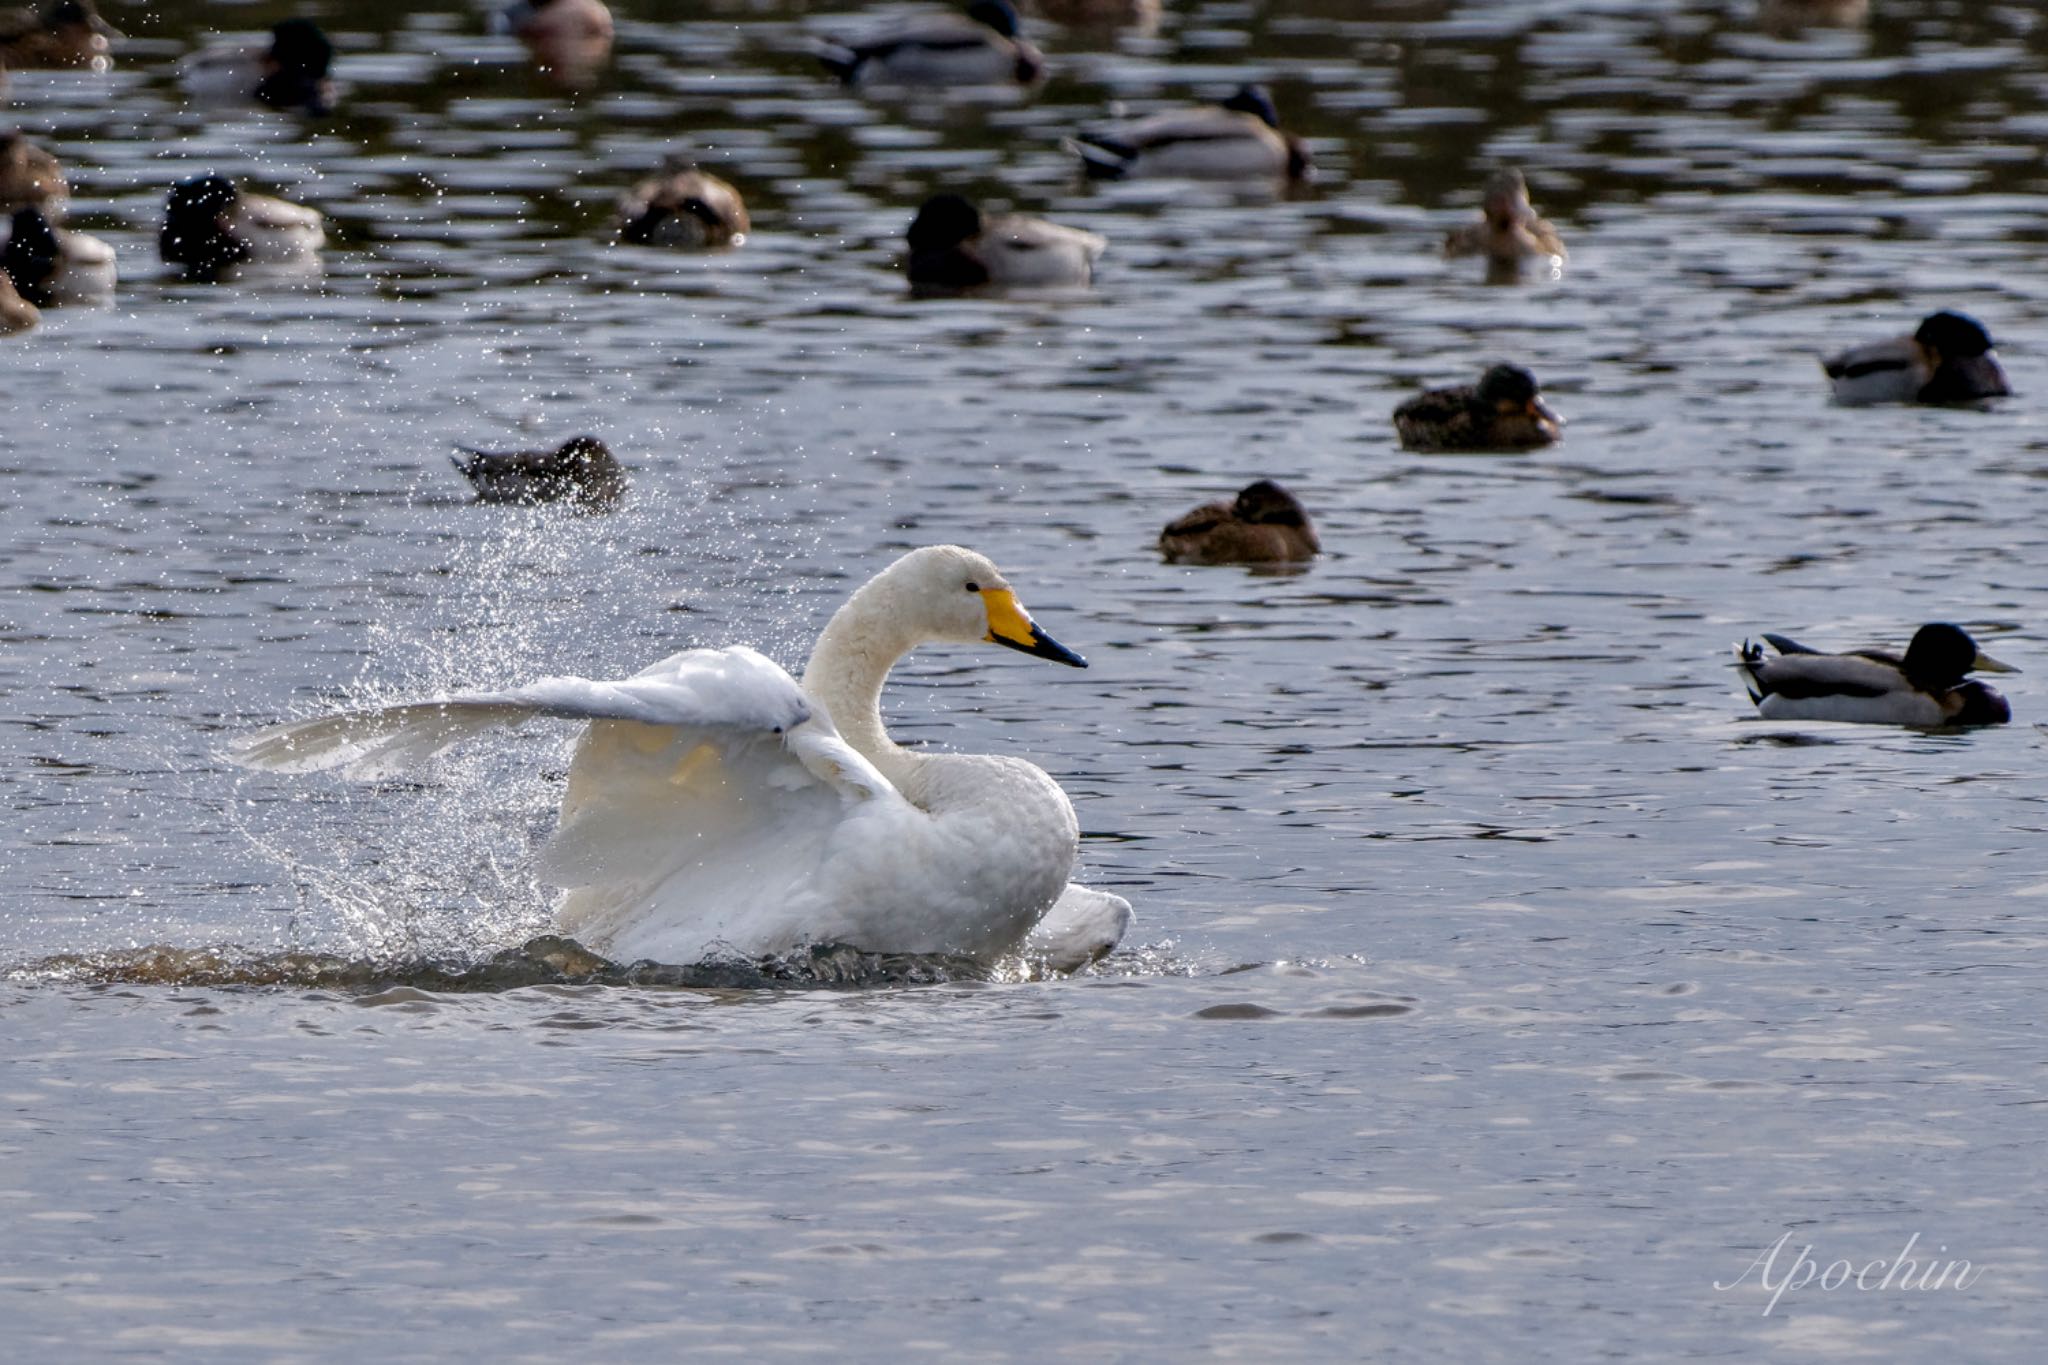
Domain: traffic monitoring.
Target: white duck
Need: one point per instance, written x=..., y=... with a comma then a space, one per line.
x=716, y=807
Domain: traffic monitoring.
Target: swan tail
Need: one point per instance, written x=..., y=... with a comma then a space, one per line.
x=373, y=744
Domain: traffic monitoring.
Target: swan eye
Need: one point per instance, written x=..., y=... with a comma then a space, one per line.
x=974, y=587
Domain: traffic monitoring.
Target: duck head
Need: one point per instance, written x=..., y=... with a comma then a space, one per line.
x=1267, y=503
x=1257, y=101
x=1507, y=200
x=999, y=15
x=938, y=235
x=1960, y=360
x=295, y=67
x=1511, y=391
x=1940, y=654
x=195, y=232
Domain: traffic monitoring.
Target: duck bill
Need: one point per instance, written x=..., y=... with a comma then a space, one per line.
x=1984, y=663
x=1011, y=626
x=1543, y=412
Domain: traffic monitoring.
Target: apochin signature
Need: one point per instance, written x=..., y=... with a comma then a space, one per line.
x=1900, y=1272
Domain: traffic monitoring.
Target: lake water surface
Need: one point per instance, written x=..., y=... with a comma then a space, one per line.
x=1499, y=985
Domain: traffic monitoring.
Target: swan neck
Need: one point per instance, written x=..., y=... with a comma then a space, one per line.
x=847, y=668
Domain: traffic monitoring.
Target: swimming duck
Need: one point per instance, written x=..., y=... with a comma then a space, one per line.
x=979, y=47
x=683, y=206
x=49, y=265
x=953, y=245
x=1947, y=360
x=1239, y=139
x=30, y=176
x=17, y=314
x=290, y=72
x=1508, y=232
x=1503, y=411
x=581, y=470
x=1926, y=687
x=717, y=807
x=568, y=39
x=64, y=33
x=1263, y=524
x=210, y=226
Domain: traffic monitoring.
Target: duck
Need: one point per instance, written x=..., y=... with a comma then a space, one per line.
x=63, y=34
x=17, y=314
x=288, y=73
x=683, y=206
x=955, y=246
x=30, y=176
x=582, y=471
x=1926, y=687
x=1263, y=524
x=1509, y=233
x=718, y=807
x=1947, y=359
x=568, y=39
x=1503, y=411
x=49, y=265
x=211, y=226
x=1238, y=139
x=982, y=46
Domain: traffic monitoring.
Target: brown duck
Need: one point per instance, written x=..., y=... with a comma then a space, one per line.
x=1263, y=524
x=581, y=471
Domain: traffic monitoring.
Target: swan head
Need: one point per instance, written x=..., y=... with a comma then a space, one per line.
x=948, y=593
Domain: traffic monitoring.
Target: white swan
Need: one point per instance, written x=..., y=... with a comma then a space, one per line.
x=715, y=807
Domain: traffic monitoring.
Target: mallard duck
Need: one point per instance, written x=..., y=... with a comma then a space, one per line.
x=1263, y=524
x=49, y=265
x=1503, y=411
x=1239, y=139
x=210, y=226
x=289, y=72
x=581, y=470
x=17, y=314
x=953, y=245
x=1926, y=687
x=569, y=39
x=716, y=807
x=64, y=33
x=30, y=176
x=1508, y=232
x=1947, y=360
x=980, y=47
x=683, y=206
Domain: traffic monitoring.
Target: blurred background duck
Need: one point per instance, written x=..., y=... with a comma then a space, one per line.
x=682, y=206
x=1263, y=524
x=569, y=40
x=30, y=177
x=288, y=72
x=1239, y=139
x=1926, y=687
x=1509, y=234
x=983, y=46
x=954, y=245
x=49, y=265
x=210, y=226
x=17, y=314
x=1948, y=359
x=62, y=34
x=581, y=471
x=1503, y=411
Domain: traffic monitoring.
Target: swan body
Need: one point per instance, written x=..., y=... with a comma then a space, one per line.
x=50, y=265
x=211, y=226
x=954, y=245
x=1925, y=687
x=1947, y=359
x=979, y=47
x=1503, y=411
x=1263, y=524
x=717, y=807
x=1239, y=139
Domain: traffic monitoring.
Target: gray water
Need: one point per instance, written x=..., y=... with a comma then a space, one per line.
x=1499, y=985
